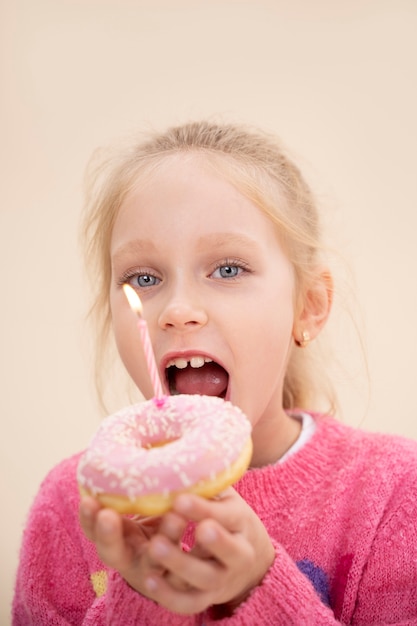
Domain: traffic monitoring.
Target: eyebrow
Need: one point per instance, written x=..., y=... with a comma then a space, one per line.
x=133, y=247
x=217, y=240
x=213, y=240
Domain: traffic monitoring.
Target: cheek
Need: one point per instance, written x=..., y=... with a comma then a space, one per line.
x=270, y=354
x=268, y=342
x=262, y=376
x=272, y=319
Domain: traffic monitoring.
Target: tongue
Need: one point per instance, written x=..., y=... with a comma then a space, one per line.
x=209, y=380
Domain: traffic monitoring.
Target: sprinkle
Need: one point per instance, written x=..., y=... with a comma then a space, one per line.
x=162, y=445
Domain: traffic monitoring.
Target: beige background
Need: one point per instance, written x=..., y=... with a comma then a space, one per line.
x=337, y=81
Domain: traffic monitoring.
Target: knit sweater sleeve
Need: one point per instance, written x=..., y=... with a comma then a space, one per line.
x=386, y=592
x=380, y=584
x=284, y=597
x=60, y=579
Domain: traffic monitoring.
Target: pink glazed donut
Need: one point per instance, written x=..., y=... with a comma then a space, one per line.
x=145, y=454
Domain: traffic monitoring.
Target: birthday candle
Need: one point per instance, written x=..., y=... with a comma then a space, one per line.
x=136, y=305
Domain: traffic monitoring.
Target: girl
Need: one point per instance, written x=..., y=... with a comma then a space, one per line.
x=217, y=231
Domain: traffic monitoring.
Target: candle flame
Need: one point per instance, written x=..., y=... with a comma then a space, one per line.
x=133, y=299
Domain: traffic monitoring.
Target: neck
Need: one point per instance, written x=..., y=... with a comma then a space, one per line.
x=272, y=437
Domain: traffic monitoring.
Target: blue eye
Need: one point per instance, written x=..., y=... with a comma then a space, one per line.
x=227, y=271
x=144, y=280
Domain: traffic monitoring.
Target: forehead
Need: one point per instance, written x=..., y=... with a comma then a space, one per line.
x=185, y=192
x=185, y=217
x=193, y=166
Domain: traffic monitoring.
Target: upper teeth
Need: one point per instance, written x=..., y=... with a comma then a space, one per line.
x=194, y=361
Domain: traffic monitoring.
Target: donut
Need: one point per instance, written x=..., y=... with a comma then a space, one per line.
x=144, y=455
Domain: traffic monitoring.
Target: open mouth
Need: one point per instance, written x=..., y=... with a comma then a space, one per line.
x=196, y=375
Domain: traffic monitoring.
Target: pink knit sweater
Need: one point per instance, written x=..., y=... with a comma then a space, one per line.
x=342, y=513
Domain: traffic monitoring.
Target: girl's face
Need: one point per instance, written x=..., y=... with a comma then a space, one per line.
x=217, y=290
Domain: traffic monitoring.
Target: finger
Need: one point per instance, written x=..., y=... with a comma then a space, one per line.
x=183, y=601
x=197, y=573
x=177, y=583
x=110, y=541
x=226, y=548
x=89, y=508
x=244, y=562
x=173, y=526
x=227, y=509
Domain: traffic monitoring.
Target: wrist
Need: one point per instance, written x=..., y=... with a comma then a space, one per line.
x=226, y=609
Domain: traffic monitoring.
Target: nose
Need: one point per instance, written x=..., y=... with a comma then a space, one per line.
x=182, y=313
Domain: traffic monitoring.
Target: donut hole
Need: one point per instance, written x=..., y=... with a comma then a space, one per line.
x=158, y=444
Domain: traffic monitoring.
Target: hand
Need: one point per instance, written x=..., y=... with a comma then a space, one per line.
x=123, y=543
x=231, y=556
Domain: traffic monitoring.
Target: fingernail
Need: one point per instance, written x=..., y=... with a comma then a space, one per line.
x=106, y=525
x=150, y=584
x=159, y=549
x=209, y=534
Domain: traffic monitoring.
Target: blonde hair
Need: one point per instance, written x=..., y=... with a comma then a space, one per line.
x=258, y=167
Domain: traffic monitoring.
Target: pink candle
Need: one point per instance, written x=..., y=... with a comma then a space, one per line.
x=136, y=305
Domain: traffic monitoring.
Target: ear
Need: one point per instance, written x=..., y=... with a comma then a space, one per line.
x=313, y=308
